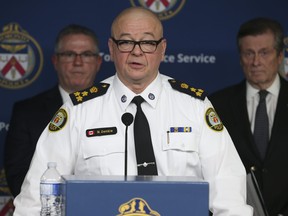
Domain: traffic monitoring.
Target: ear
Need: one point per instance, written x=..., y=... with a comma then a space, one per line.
x=99, y=62
x=111, y=49
x=54, y=59
x=281, y=57
x=163, y=48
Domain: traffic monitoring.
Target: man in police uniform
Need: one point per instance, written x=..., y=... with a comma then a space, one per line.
x=88, y=137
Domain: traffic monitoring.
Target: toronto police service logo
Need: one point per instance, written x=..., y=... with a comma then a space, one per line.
x=58, y=121
x=21, y=57
x=213, y=120
x=165, y=9
x=136, y=207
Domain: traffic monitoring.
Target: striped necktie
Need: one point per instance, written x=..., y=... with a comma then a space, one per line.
x=261, y=129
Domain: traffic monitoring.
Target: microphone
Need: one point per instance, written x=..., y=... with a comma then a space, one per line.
x=127, y=119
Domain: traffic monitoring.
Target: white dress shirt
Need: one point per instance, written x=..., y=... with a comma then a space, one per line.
x=253, y=98
x=64, y=94
x=202, y=152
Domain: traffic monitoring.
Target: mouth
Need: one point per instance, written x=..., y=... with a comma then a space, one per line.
x=136, y=65
x=77, y=72
x=257, y=72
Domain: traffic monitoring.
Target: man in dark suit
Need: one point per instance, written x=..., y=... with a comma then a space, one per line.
x=260, y=44
x=76, y=61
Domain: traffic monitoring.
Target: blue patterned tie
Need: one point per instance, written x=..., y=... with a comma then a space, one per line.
x=261, y=129
x=146, y=162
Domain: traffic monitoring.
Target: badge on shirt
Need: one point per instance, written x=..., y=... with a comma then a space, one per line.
x=180, y=129
x=213, y=120
x=101, y=131
x=58, y=121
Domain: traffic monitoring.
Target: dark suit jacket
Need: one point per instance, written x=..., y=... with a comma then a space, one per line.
x=29, y=118
x=272, y=173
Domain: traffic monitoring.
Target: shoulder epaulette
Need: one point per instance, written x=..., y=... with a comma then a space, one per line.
x=185, y=88
x=89, y=93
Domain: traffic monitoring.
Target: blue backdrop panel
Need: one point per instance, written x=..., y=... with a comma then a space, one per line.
x=201, y=41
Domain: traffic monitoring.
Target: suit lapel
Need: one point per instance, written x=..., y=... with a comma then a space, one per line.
x=279, y=120
x=239, y=107
x=53, y=102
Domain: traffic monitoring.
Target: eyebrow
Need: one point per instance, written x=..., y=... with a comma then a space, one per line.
x=145, y=33
x=261, y=49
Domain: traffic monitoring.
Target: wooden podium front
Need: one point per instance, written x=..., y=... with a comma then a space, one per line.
x=135, y=196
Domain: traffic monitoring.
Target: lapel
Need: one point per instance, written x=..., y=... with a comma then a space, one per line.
x=280, y=119
x=47, y=104
x=52, y=102
x=240, y=114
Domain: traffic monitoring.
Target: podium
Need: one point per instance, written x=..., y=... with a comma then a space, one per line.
x=135, y=196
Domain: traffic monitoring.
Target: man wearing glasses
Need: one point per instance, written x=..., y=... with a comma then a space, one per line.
x=184, y=134
x=255, y=110
x=76, y=62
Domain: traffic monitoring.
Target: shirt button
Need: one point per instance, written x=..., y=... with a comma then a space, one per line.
x=123, y=99
x=151, y=96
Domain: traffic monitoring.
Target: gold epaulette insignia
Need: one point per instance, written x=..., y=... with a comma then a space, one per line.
x=89, y=93
x=185, y=88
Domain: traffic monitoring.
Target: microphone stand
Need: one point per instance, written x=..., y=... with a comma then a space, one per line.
x=127, y=119
x=126, y=141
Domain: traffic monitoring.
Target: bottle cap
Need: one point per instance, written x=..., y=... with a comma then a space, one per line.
x=52, y=164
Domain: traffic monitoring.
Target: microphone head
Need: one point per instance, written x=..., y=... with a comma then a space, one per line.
x=127, y=119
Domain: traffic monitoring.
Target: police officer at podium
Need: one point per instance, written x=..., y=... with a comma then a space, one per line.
x=186, y=137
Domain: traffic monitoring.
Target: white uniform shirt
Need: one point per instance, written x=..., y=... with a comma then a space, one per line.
x=203, y=152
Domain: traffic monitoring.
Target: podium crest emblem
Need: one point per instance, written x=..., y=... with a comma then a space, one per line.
x=136, y=207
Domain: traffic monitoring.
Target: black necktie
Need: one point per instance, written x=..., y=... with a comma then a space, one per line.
x=146, y=162
x=261, y=129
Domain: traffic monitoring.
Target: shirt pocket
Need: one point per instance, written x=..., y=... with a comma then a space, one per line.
x=101, y=147
x=186, y=142
x=182, y=154
x=103, y=155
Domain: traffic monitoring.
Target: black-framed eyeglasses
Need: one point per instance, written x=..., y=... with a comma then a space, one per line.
x=250, y=55
x=147, y=46
x=69, y=56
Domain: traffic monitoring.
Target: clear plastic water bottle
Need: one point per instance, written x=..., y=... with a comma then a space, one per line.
x=51, y=184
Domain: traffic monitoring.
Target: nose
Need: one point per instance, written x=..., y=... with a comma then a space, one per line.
x=256, y=59
x=137, y=50
x=78, y=59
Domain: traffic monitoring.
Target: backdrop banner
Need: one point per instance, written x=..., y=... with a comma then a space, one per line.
x=201, y=44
